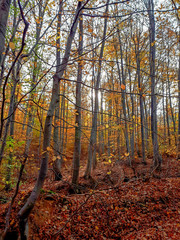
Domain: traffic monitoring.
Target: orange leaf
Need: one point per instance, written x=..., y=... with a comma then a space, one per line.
x=123, y=87
x=12, y=45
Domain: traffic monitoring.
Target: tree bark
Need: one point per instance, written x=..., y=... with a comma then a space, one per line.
x=58, y=161
x=77, y=143
x=4, y=12
x=157, y=157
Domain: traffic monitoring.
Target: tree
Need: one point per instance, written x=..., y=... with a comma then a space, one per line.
x=93, y=139
x=58, y=157
x=77, y=143
x=26, y=209
x=4, y=12
x=157, y=157
x=178, y=139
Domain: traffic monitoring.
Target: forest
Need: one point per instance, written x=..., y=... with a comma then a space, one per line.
x=89, y=119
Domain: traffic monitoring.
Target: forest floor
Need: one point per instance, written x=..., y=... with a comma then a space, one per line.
x=118, y=202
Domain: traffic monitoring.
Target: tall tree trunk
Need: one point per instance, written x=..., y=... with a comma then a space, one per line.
x=157, y=157
x=170, y=102
x=178, y=142
x=58, y=157
x=146, y=128
x=110, y=116
x=102, y=126
x=123, y=89
x=77, y=143
x=164, y=114
x=93, y=138
x=138, y=63
x=178, y=139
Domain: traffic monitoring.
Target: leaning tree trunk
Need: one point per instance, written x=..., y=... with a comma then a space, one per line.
x=26, y=209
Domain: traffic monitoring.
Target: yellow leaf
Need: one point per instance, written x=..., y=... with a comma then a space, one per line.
x=48, y=149
x=152, y=44
x=12, y=45
x=11, y=149
x=109, y=172
x=109, y=161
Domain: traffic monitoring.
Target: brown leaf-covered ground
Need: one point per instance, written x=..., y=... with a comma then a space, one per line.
x=118, y=202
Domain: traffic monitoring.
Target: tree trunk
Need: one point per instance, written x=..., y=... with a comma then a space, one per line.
x=4, y=12
x=124, y=96
x=58, y=161
x=138, y=63
x=26, y=209
x=170, y=102
x=102, y=125
x=77, y=143
x=92, y=145
x=178, y=142
x=157, y=157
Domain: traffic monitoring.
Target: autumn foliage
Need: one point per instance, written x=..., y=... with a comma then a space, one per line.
x=89, y=119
